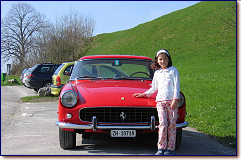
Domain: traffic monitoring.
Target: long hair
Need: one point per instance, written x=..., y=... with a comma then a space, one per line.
x=155, y=64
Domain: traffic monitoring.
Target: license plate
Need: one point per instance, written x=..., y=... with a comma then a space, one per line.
x=123, y=133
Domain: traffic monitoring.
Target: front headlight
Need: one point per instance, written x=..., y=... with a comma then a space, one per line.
x=181, y=100
x=68, y=98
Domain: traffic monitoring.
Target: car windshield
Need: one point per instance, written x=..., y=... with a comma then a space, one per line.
x=119, y=69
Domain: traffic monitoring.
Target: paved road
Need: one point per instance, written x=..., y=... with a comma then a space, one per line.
x=29, y=129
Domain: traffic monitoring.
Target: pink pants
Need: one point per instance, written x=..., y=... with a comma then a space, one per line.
x=167, y=125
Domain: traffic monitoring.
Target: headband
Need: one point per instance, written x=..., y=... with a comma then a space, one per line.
x=162, y=51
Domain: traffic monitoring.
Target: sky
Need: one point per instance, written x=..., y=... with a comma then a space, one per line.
x=109, y=16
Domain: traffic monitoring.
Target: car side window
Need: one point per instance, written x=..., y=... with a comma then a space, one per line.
x=68, y=70
x=45, y=69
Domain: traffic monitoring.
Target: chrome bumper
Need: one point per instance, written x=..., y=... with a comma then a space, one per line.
x=95, y=125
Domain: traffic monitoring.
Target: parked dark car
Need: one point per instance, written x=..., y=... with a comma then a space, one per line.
x=41, y=76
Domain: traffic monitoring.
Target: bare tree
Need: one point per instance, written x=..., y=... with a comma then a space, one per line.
x=19, y=31
x=40, y=48
x=69, y=37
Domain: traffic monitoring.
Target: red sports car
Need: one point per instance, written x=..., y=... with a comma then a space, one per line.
x=99, y=99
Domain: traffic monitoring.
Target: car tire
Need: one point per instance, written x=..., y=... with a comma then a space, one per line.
x=178, y=138
x=67, y=139
x=36, y=89
x=47, y=84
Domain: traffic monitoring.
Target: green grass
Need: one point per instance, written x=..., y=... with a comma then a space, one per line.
x=203, y=48
x=9, y=77
x=39, y=99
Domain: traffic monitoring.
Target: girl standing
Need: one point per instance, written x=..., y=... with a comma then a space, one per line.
x=166, y=82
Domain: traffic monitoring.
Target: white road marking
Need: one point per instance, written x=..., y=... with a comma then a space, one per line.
x=13, y=136
x=25, y=114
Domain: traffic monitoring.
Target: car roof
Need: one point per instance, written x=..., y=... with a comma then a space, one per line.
x=115, y=57
x=68, y=63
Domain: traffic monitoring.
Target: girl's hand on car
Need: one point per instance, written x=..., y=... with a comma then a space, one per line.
x=139, y=95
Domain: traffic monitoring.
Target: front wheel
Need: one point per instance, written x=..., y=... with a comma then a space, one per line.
x=67, y=139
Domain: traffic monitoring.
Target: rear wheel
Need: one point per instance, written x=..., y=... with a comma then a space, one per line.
x=178, y=138
x=47, y=84
x=67, y=139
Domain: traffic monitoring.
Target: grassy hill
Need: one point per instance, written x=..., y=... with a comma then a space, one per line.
x=203, y=48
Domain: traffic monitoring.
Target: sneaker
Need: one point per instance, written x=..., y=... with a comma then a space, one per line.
x=160, y=152
x=169, y=153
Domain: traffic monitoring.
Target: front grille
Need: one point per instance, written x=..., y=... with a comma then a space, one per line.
x=119, y=114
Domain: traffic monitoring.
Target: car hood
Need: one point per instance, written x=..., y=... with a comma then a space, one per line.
x=113, y=93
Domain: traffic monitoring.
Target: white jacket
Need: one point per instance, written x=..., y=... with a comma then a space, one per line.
x=167, y=83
